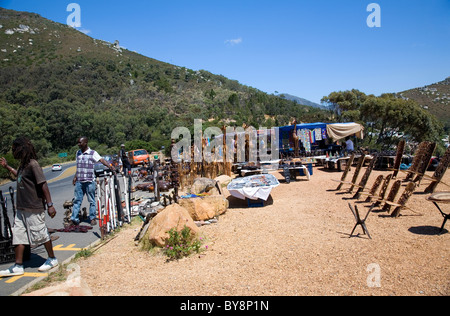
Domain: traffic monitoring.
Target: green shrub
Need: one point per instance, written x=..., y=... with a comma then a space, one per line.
x=182, y=244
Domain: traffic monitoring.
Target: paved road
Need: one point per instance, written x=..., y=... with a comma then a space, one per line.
x=68, y=244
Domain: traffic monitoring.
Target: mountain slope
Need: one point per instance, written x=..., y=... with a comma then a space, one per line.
x=300, y=100
x=58, y=83
x=435, y=98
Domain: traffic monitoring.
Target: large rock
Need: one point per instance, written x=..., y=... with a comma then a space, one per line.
x=173, y=216
x=204, y=185
x=223, y=180
x=205, y=208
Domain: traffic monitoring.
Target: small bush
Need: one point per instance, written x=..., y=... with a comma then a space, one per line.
x=182, y=244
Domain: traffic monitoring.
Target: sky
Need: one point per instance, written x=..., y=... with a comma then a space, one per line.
x=307, y=48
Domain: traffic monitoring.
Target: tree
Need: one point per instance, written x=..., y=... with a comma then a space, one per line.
x=344, y=101
x=386, y=115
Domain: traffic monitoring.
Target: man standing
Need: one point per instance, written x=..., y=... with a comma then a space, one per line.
x=33, y=196
x=84, y=180
x=349, y=145
x=125, y=162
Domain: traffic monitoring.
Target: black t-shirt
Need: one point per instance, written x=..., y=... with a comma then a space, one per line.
x=123, y=155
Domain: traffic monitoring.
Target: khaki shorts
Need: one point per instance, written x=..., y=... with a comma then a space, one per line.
x=30, y=229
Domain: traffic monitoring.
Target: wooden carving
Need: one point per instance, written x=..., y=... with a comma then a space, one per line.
x=440, y=172
x=365, y=178
x=418, y=156
x=398, y=157
x=392, y=194
x=425, y=162
x=374, y=188
x=404, y=198
x=357, y=171
x=346, y=171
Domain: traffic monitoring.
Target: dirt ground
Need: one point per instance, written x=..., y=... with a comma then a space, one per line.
x=298, y=244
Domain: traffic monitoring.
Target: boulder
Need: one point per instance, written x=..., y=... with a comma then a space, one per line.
x=223, y=180
x=173, y=216
x=204, y=185
x=205, y=208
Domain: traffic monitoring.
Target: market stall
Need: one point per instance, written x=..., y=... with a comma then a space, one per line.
x=310, y=135
x=256, y=187
x=316, y=136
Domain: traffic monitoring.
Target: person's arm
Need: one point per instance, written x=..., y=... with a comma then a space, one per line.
x=42, y=183
x=97, y=158
x=5, y=165
x=74, y=180
x=48, y=199
x=106, y=164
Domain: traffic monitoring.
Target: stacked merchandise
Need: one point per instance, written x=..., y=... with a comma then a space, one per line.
x=311, y=136
x=6, y=248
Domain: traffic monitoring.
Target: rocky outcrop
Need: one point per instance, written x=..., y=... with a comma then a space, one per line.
x=205, y=208
x=204, y=185
x=173, y=216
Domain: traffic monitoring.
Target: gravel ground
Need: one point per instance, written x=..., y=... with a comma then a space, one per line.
x=298, y=244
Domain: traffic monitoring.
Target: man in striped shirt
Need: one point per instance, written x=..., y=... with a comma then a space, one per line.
x=84, y=180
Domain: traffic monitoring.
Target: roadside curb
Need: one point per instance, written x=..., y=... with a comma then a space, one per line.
x=20, y=291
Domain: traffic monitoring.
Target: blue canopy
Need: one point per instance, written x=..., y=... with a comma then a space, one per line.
x=285, y=131
x=302, y=126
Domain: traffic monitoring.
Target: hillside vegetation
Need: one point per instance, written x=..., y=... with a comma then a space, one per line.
x=58, y=83
x=435, y=98
x=386, y=118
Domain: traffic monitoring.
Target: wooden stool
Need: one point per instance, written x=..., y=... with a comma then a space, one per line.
x=360, y=221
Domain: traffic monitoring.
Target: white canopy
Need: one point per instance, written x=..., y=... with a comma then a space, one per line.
x=341, y=130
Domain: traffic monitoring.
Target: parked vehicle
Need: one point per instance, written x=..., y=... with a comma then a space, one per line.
x=138, y=157
x=100, y=168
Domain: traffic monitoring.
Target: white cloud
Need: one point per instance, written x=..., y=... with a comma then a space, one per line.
x=233, y=42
